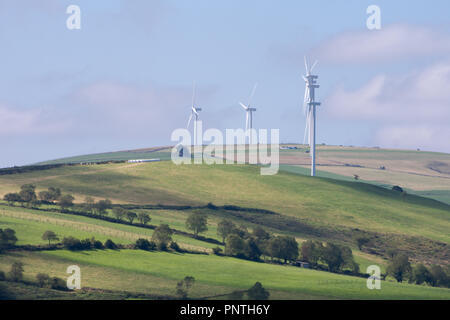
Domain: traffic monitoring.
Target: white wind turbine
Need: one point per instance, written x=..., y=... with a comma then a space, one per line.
x=309, y=108
x=249, y=114
x=194, y=114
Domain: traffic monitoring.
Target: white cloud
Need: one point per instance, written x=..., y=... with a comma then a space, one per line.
x=426, y=137
x=410, y=110
x=390, y=43
x=14, y=121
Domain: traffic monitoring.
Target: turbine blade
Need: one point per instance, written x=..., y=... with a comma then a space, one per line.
x=315, y=63
x=306, y=66
x=306, y=129
x=252, y=94
x=243, y=106
x=193, y=94
x=306, y=100
x=190, y=119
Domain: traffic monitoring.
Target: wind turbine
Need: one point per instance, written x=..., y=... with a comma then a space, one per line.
x=249, y=114
x=194, y=114
x=309, y=108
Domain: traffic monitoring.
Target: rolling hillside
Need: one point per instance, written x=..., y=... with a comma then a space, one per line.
x=289, y=203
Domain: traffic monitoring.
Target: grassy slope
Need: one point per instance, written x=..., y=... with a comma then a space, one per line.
x=318, y=200
x=157, y=273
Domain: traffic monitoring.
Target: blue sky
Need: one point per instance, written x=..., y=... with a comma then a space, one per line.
x=124, y=80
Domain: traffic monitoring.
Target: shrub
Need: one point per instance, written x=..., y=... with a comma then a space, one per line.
x=16, y=272
x=72, y=243
x=257, y=292
x=144, y=244
x=58, y=284
x=43, y=279
x=174, y=246
x=96, y=244
x=2, y=276
x=109, y=244
x=217, y=251
x=211, y=206
x=399, y=267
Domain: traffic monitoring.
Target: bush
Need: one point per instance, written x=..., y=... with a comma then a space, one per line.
x=43, y=280
x=58, y=284
x=217, y=251
x=144, y=244
x=399, y=267
x=16, y=272
x=96, y=244
x=109, y=244
x=174, y=246
x=257, y=292
x=211, y=206
x=2, y=276
x=74, y=244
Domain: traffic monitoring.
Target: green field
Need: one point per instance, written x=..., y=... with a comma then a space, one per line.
x=331, y=205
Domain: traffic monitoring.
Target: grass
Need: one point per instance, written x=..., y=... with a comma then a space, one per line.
x=31, y=224
x=218, y=275
x=320, y=201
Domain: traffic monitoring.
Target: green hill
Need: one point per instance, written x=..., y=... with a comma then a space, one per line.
x=287, y=203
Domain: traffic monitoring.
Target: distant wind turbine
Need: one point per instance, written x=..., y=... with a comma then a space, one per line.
x=194, y=114
x=249, y=114
x=309, y=108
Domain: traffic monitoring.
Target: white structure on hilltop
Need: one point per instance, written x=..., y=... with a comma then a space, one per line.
x=194, y=114
x=309, y=107
x=249, y=115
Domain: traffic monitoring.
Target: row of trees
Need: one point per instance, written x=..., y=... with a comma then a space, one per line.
x=27, y=196
x=15, y=274
x=400, y=268
x=336, y=257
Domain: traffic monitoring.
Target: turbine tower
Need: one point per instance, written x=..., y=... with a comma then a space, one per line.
x=249, y=114
x=309, y=108
x=194, y=114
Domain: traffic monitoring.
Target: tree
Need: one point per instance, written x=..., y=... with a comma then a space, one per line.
x=27, y=193
x=311, y=251
x=89, y=204
x=225, y=228
x=119, y=213
x=197, y=222
x=131, y=216
x=420, y=274
x=399, y=267
x=7, y=238
x=289, y=249
x=257, y=292
x=45, y=196
x=66, y=201
x=439, y=277
x=54, y=193
x=183, y=286
x=260, y=234
x=144, y=218
x=12, y=198
x=16, y=272
x=234, y=245
x=333, y=257
x=102, y=205
x=162, y=236
x=43, y=279
x=252, y=250
x=49, y=236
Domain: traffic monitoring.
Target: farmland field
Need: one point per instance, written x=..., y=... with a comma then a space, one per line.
x=330, y=207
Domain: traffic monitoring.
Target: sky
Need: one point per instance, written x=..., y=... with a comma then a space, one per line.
x=124, y=80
